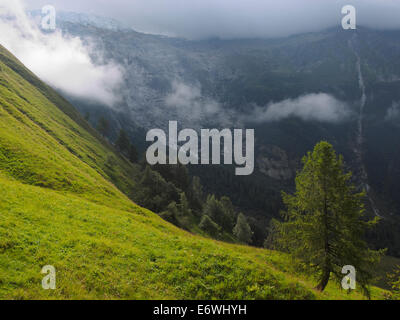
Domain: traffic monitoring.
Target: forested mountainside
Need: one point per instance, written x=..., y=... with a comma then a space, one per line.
x=229, y=83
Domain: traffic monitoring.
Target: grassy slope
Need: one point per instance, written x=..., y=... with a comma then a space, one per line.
x=58, y=206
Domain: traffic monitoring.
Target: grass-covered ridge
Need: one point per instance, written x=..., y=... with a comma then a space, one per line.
x=41, y=145
x=62, y=203
x=101, y=252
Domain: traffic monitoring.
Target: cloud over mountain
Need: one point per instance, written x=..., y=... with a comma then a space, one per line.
x=234, y=18
x=311, y=107
x=60, y=60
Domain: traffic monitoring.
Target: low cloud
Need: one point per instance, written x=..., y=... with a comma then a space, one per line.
x=189, y=103
x=62, y=61
x=311, y=107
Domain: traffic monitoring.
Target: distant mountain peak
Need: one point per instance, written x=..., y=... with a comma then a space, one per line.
x=87, y=19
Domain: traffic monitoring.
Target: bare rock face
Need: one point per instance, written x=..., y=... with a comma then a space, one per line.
x=274, y=163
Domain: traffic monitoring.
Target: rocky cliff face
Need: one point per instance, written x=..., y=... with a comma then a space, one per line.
x=274, y=163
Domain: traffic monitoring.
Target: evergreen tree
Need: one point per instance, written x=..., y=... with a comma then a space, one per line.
x=133, y=154
x=212, y=208
x=196, y=193
x=184, y=212
x=221, y=211
x=209, y=226
x=323, y=223
x=103, y=126
x=273, y=233
x=122, y=142
x=184, y=206
x=171, y=214
x=153, y=192
x=242, y=229
x=182, y=177
x=395, y=283
x=228, y=213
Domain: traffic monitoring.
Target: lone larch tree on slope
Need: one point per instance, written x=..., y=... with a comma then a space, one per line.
x=324, y=225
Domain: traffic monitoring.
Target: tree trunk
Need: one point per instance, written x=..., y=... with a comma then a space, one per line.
x=326, y=271
x=324, y=280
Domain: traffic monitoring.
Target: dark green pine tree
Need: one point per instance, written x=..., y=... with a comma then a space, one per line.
x=122, y=142
x=196, y=194
x=229, y=215
x=103, y=126
x=133, y=155
x=209, y=226
x=216, y=210
x=324, y=225
x=242, y=229
x=395, y=283
x=171, y=214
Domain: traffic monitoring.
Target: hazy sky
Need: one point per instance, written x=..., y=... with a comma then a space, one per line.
x=233, y=18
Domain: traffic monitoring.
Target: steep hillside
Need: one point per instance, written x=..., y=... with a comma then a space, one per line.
x=62, y=204
x=45, y=142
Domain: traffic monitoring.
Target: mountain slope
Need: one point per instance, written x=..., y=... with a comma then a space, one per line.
x=42, y=145
x=232, y=76
x=62, y=204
